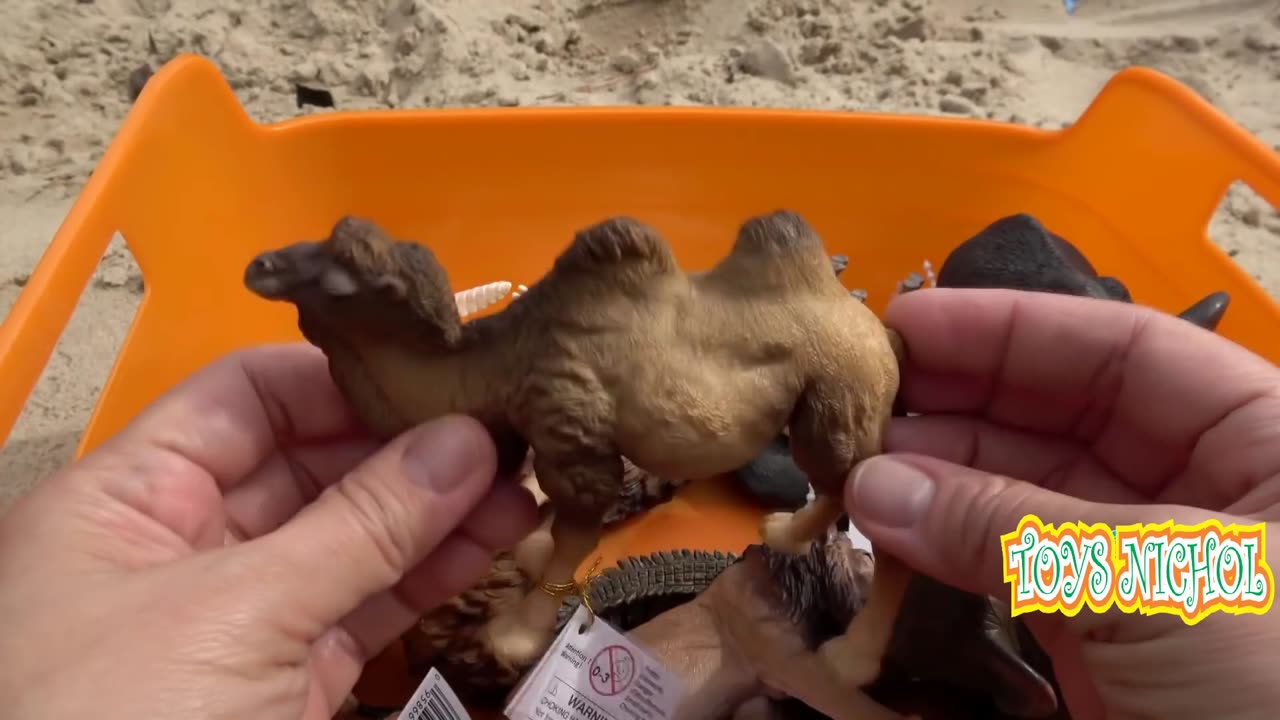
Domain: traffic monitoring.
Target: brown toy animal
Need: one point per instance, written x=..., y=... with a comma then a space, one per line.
x=750, y=635
x=617, y=351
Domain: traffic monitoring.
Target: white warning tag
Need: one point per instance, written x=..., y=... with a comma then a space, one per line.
x=595, y=675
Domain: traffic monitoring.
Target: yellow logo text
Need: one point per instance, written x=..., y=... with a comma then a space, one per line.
x=1185, y=570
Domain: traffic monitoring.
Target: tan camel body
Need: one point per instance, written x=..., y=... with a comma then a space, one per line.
x=617, y=351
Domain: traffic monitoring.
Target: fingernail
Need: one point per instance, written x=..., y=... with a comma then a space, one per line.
x=889, y=492
x=444, y=452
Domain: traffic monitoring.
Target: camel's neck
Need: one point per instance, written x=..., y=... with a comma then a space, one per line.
x=416, y=378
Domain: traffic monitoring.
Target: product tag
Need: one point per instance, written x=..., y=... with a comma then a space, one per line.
x=434, y=700
x=596, y=675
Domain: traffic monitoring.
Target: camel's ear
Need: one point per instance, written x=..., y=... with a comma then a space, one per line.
x=1208, y=312
x=390, y=284
x=337, y=282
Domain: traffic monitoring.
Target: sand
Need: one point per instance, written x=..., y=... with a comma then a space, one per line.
x=65, y=67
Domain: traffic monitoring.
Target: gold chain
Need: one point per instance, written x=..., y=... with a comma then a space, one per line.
x=559, y=590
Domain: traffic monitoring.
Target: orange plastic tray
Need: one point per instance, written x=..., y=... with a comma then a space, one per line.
x=197, y=188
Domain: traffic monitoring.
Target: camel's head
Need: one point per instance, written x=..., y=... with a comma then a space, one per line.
x=359, y=274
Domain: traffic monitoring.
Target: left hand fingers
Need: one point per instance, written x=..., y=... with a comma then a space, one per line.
x=232, y=415
x=172, y=463
x=286, y=482
x=367, y=530
x=503, y=518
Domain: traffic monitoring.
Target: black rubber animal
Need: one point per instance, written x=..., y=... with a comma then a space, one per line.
x=1018, y=253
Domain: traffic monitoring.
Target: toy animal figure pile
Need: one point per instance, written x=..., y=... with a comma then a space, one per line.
x=617, y=358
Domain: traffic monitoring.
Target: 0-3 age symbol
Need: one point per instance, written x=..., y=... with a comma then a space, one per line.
x=612, y=670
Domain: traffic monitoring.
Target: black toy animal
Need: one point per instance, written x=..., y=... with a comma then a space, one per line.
x=1018, y=253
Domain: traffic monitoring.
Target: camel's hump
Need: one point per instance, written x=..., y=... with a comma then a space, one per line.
x=618, y=242
x=781, y=232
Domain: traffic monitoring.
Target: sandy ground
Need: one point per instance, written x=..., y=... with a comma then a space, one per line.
x=64, y=68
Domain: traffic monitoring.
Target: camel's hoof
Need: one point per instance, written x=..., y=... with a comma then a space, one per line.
x=778, y=534
x=513, y=644
x=851, y=668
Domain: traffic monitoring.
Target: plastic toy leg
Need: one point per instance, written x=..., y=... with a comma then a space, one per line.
x=855, y=657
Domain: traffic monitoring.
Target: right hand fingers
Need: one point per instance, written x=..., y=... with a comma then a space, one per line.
x=1146, y=393
x=946, y=520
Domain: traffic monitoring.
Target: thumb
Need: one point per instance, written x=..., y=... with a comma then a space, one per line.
x=366, y=531
x=946, y=520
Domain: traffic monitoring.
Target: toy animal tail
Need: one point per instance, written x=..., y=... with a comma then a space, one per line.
x=1208, y=312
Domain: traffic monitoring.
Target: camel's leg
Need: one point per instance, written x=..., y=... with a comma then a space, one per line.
x=833, y=427
x=855, y=656
x=580, y=488
x=533, y=553
x=794, y=532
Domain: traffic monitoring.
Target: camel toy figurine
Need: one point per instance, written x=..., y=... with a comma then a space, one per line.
x=617, y=352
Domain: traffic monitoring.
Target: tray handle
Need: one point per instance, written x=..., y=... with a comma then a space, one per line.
x=1166, y=149
x=113, y=194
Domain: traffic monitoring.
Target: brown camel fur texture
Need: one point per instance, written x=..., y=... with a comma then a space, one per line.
x=617, y=351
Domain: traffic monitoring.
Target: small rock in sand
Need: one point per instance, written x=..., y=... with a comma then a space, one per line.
x=767, y=60
x=956, y=106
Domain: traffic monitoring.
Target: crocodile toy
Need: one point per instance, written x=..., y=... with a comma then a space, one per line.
x=617, y=352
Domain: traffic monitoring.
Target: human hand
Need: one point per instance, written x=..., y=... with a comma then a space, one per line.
x=240, y=550
x=1075, y=409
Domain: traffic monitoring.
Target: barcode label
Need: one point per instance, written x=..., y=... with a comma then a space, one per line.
x=434, y=700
